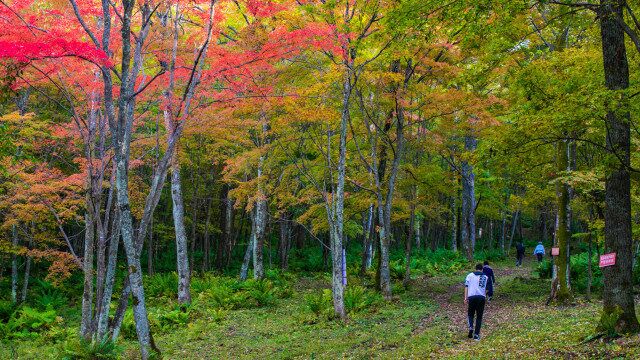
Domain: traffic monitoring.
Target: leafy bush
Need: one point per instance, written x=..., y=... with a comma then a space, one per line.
x=162, y=285
x=47, y=295
x=6, y=309
x=50, y=299
x=438, y=262
x=261, y=291
x=579, y=272
x=220, y=297
x=490, y=255
x=177, y=316
x=217, y=315
x=81, y=349
x=608, y=322
x=396, y=269
x=319, y=302
x=28, y=322
x=357, y=299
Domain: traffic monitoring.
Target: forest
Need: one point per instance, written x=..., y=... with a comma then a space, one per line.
x=302, y=179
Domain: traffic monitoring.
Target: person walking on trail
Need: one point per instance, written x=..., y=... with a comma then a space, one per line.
x=539, y=251
x=519, y=253
x=475, y=287
x=491, y=279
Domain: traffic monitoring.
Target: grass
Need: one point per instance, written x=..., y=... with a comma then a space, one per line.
x=422, y=322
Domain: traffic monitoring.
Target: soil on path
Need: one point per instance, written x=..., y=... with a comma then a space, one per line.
x=452, y=312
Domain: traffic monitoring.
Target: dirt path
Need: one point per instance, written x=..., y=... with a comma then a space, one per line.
x=452, y=312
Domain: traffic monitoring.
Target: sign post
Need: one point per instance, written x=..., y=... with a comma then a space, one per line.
x=555, y=251
x=607, y=260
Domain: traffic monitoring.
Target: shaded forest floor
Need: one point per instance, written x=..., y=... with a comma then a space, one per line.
x=425, y=321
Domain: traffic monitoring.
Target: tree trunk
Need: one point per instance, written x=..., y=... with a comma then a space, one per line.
x=86, y=330
x=27, y=273
x=14, y=264
x=206, y=265
x=285, y=240
x=258, y=243
x=244, y=269
x=112, y=260
x=182, y=256
x=150, y=249
x=618, y=287
x=367, y=237
x=454, y=223
x=408, y=242
x=563, y=293
x=468, y=221
x=589, y=270
x=514, y=224
x=503, y=230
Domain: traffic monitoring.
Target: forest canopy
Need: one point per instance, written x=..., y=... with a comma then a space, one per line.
x=170, y=164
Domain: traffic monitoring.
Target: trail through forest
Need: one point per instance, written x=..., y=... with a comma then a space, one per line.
x=451, y=313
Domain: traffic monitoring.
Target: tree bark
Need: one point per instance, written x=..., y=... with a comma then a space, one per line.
x=14, y=264
x=182, y=258
x=244, y=269
x=563, y=293
x=86, y=330
x=27, y=273
x=618, y=287
x=454, y=223
x=409, y=241
x=468, y=229
x=514, y=224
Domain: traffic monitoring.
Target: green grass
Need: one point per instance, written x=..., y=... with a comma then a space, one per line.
x=413, y=325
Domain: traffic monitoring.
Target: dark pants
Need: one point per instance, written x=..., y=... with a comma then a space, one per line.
x=519, y=258
x=539, y=257
x=476, y=308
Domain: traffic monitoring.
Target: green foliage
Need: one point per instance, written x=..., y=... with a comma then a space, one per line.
x=174, y=317
x=579, y=272
x=438, y=262
x=358, y=299
x=28, y=322
x=319, y=302
x=490, y=255
x=47, y=296
x=6, y=309
x=161, y=285
x=262, y=292
x=82, y=349
x=521, y=289
x=396, y=269
x=609, y=321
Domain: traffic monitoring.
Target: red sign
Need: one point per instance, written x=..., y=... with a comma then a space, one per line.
x=555, y=251
x=607, y=259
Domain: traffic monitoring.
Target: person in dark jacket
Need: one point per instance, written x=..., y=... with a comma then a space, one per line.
x=491, y=279
x=519, y=253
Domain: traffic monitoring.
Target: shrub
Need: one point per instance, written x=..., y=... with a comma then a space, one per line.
x=319, y=302
x=28, y=322
x=50, y=299
x=218, y=315
x=608, y=322
x=261, y=291
x=396, y=269
x=177, y=316
x=491, y=255
x=221, y=297
x=6, y=309
x=162, y=285
x=78, y=348
x=579, y=272
x=357, y=299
